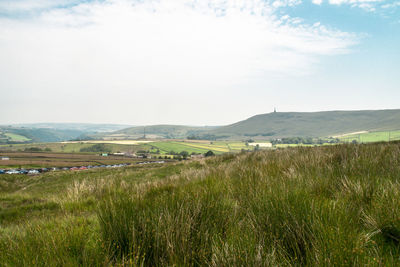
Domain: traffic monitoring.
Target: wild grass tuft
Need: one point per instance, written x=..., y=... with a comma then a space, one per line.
x=307, y=206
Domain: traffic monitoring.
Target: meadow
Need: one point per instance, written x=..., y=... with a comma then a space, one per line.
x=72, y=147
x=369, y=137
x=162, y=147
x=304, y=206
x=218, y=147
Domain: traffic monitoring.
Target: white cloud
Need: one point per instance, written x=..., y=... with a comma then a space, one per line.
x=317, y=2
x=285, y=3
x=139, y=50
x=339, y=2
x=391, y=5
x=29, y=6
x=367, y=5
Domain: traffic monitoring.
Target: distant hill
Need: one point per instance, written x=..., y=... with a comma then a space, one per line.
x=11, y=135
x=83, y=127
x=264, y=126
x=159, y=131
x=52, y=132
x=313, y=124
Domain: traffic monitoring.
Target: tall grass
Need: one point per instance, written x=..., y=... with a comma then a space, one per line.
x=316, y=206
x=324, y=206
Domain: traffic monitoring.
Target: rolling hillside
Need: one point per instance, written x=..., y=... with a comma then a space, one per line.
x=159, y=131
x=12, y=135
x=51, y=132
x=83, y=127
x=313, y=124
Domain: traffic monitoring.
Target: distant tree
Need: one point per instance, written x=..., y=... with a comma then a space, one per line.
x=178, y=157
x=209, y=153
x=33, y=149
x=184, y=154
x=96, y=148
x=47, y=149
x=257, y=147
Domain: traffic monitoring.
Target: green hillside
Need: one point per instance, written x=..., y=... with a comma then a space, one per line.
x=162, y=131
x=319, y=206
x=313, y=124
x=83, y=127
x=11, y=135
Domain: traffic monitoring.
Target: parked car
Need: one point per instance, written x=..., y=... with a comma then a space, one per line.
x=33, y=172
x=83, y=168
x=2, y=172
x=12, y=172
x=23, y=171
x=74, y=168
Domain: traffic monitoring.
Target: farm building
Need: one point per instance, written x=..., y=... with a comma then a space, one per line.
x=5, y=158
x=262, y=145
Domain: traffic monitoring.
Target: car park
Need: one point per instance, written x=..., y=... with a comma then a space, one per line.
x=42, y=170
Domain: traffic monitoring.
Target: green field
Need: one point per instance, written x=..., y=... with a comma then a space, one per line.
x=306, y=206
x=72, y=147
x=158, y=147
x=200, y=147
x=372, y=137
x=16, y=137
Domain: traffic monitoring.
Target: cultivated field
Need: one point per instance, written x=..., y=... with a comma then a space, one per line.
x=218, y=147
x=118, y=142
x=306, y=206
x=43, y=160
x=368, y=137
x=74, y=147
x=133, y=146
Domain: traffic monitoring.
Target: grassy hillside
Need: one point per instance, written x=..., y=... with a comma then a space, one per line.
x=314, y=124
x=84, y=127
x=52, y=132
x=200, y=147
x=372, y=137
x=73, y=147
x=320, y=206
x=18, y=134
x=159, y=131
x=130, y=146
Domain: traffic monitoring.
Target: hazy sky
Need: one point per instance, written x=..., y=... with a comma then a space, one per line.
x=196, y=62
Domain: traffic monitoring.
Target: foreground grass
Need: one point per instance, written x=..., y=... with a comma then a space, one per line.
x=321, y=206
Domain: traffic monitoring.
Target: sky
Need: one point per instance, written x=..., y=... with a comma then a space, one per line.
x=194, y=62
